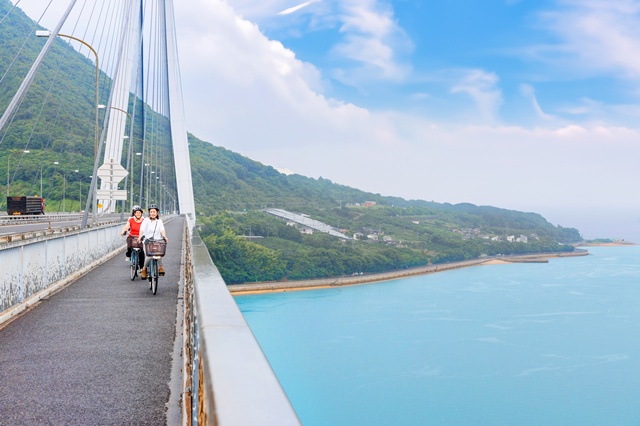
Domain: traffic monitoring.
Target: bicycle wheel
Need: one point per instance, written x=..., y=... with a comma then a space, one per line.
x=154, y=277
x=134, y=264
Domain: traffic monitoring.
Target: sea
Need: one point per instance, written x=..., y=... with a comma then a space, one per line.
x=528, y=344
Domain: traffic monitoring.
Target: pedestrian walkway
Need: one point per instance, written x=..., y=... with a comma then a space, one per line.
x=98, y=352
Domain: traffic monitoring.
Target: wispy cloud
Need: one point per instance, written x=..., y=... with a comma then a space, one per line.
x=529, y=92
x=293, y=9
x=481, y=86
x=602, y=35
x=373, y=39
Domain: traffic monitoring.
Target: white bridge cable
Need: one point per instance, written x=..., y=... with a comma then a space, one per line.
x=46, y=147
x=9, y=12
x=91, y=196
x=53, y=80
x=33, y=30
x=105, y=26
x=9, y=112
x=118, y=108
x=159, y=119
x=179, y=138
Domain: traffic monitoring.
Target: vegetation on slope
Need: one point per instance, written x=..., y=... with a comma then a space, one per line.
x=248, y=245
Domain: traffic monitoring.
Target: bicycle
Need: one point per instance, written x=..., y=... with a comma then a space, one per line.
x=134, y=262
x=135, y=259
x=155, y=249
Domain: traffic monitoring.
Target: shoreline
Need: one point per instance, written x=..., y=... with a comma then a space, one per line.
x=323, y=283
x=613, y=244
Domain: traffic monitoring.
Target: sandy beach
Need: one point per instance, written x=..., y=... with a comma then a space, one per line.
x=284, y=286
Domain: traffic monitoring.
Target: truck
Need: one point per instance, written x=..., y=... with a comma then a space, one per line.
x=25, y=205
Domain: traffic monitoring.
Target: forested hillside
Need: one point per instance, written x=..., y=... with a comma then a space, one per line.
x=393, y=233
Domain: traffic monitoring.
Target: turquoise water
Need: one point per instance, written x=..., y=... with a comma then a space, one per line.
x=515, y=344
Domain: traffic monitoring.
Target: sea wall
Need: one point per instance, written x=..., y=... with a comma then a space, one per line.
x=260, y=287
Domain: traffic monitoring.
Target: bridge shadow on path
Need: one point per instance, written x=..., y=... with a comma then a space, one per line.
x=98, y=352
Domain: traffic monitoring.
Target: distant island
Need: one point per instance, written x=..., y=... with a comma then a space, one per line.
x=605, y=242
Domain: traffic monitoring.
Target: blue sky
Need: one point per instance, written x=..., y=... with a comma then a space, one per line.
x=523, y=105
x=522, y=55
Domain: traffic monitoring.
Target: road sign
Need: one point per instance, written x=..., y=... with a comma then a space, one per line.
x=111, y=172
x=111, y=194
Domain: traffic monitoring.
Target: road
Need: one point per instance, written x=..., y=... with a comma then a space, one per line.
x=100, y=352
x=11, y=226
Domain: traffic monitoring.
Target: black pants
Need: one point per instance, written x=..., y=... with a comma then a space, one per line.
x=130, y=244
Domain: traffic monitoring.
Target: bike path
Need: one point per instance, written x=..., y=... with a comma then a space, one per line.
x=98, y=352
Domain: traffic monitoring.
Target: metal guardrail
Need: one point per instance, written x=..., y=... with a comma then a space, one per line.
x=22, y=220
x=229, y=380
x=44, y=233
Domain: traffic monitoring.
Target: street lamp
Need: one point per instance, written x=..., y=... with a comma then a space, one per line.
x=26, y=151
x=80, y=193
x=46, y=33
x=41, y=167
x=64, y=189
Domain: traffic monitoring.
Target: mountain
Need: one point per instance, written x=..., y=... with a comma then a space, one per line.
x=231, y=192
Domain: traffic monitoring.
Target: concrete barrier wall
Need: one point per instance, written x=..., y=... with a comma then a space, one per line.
x=31, y=269
x=231, y=380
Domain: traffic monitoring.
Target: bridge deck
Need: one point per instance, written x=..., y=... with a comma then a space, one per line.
x=98, y=352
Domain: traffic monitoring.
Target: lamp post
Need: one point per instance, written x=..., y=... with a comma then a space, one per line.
x=80, y=193
x=138, y=154
x=146, y=193
x=46, y=33
x=64, y=189
x=41, y=167
x=26, y=151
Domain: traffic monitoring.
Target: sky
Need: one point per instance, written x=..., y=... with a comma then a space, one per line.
x=519, y=104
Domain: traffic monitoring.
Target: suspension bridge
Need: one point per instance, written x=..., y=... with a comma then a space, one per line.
x=93, y=122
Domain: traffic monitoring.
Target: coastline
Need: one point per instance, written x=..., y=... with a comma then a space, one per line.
x=613, y=244
x=284, y=286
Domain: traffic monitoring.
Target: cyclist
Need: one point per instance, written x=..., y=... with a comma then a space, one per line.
x=133, y=226
x=152, y=228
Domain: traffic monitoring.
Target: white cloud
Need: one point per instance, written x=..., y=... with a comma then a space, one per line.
x=602, y=34
x=372, y=45
x=481, y=87
x=295, y=8
x=373, y=39
x=529, y=92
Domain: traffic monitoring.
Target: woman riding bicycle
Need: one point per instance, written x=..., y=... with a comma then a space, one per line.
x=152, y=228
x=133, y=226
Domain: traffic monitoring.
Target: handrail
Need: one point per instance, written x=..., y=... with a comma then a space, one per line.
x=230, y=380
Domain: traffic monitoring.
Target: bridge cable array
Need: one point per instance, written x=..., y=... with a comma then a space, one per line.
x=51, y=124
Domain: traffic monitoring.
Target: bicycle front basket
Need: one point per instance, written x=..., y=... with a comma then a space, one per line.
x=155, y=247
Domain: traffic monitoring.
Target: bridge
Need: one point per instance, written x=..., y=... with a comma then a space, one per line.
x=80, y=342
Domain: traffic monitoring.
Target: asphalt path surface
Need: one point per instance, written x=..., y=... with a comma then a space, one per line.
x=98, y=352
